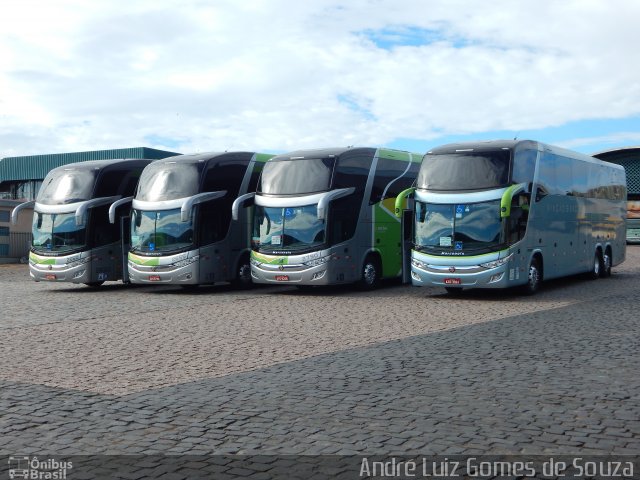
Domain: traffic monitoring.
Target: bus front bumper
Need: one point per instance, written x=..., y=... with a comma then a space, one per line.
x=185, y=275
x=60, y=273
x=460, y=277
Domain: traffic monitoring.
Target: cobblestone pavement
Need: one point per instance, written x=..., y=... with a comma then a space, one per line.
x=401, y=370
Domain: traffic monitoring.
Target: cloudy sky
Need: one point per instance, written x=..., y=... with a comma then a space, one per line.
x=278, y=75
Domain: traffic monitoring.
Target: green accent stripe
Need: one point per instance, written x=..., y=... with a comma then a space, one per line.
x=145, y=261
x=41, y=260
x=270, y=259
x=263, y=157
x=400, y=155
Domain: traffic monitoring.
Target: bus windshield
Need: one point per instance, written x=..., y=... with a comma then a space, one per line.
x=465, y=171
x=168, y=180
x=458, y=229
x=295, y=177
x=57, y=232
x=291, y=228
x=160, y=231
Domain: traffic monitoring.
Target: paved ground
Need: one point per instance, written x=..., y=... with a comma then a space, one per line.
x=273, y=370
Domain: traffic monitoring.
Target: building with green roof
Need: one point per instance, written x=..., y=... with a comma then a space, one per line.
x=20, y=177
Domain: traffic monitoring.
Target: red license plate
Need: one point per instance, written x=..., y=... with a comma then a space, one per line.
x=452, y=281
x=154, y=278
x=50, y=276
x=282, y=278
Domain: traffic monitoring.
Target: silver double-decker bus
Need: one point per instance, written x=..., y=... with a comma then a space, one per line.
x=512, y=213
x=80, y=221
x=191, y=219
x=326, y=217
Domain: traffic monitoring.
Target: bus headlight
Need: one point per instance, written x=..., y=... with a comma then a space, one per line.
x=418, y=264
x=497, y=263
x=186, y=261
x=254, y=262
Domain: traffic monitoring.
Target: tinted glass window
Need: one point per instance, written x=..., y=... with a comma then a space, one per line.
x=299, y=176
x=465, y=171
x=66, y=186
x=168, y=181
x=118, y=181
x=225, y=175
x=352, y=171
x=387, y=171
x=524, y=165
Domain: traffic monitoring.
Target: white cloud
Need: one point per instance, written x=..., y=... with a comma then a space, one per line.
x=284, y=74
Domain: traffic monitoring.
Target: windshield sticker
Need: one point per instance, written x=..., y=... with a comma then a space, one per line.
x=152, y=247
x=459, y=211
x=276, y=239
x=445, y=241
x=288, y=212
x=458, y=246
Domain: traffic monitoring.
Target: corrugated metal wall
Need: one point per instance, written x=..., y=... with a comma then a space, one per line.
x=36, y=167
x=15, y=245
x=629, y=158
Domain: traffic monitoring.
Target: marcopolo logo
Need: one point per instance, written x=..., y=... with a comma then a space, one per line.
x=24, y=467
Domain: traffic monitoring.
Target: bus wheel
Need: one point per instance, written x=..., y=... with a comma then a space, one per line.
x=534, y=278
x=370, y=274
x=606, y=264
x=242, y=279
x=94, y=284
x=597, y=267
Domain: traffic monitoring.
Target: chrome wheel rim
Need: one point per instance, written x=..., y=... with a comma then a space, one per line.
x=369, y=274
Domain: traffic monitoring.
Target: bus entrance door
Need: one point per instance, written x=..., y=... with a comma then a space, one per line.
x=407, y=238
x=125, y=242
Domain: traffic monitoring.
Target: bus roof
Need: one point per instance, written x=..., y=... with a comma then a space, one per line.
x=337, y=151
x=205, y=157
x=100, y=164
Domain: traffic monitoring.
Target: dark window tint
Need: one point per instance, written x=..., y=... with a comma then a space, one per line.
x=343, y=219
x=298, y=176
x=352, y=171
x=225, y=175
x=386, y=179
x=524, y=166
x=101, y=231
x=4, y=215
x=465, y=171
x=117, y=181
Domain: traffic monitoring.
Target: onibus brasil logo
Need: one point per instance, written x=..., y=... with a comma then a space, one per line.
x=23, y=467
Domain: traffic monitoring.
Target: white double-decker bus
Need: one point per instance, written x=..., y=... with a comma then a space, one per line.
x=80, y=221
x=512, y=213
x=182, y=231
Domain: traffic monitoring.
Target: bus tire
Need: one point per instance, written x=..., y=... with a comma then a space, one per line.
x=242, y=278
x=606, y=263
x=369, y=274
x=597, y=266
x=94, y=284
x=534, y=278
